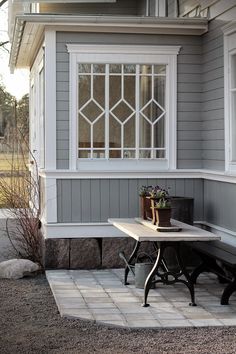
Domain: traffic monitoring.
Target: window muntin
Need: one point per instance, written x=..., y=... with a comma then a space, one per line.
x=121, y=111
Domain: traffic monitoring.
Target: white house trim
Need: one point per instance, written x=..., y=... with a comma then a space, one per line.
x=50, y=99
x=177, y=174
x=125, y=54
x=49, y=207
x=229, y=49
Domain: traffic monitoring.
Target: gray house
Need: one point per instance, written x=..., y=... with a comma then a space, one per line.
x=125, y=93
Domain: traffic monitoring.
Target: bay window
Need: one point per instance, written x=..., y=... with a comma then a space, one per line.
x=123, y=107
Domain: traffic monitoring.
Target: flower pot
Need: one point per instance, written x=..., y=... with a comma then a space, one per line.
x=145, y=206
x=162, y=217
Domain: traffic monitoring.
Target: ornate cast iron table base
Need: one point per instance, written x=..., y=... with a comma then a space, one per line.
x=160, y=272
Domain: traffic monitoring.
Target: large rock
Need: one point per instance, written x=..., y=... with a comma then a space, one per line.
x=17, y=268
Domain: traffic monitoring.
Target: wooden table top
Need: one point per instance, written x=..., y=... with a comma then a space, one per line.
x=143, y=230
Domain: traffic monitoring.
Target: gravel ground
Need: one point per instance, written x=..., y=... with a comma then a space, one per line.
x=30, y=323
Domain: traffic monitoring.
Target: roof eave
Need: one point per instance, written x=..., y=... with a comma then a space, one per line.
x=116, y=24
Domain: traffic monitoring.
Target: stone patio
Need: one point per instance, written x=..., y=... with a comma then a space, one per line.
x=100, y=296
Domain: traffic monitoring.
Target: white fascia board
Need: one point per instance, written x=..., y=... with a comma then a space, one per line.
x=177, y=174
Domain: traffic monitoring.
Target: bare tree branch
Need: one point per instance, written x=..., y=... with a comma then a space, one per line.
x=3, y=43
x=2, y=2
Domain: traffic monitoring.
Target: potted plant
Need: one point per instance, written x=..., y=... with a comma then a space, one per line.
x=145, y=202
x=161, y=207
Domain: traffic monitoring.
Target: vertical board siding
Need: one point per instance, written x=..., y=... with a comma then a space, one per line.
x=219, y=200
x=189, y=152
x=97, y=200
x=213, y=154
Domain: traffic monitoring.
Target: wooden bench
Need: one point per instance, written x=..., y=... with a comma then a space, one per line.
x=219, y=258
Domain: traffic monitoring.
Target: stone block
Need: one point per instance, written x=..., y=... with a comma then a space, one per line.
x=85, y=253
x=57, y=253
x=111, y=248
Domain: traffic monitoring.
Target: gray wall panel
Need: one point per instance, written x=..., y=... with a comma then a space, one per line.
x=96, y=200
x=213, y=98
x=219, y=198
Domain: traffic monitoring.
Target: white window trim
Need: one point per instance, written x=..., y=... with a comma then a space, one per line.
x=125, y=54
x=229, y=31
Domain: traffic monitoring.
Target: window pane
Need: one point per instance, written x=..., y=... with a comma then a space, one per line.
x=159, y=154
x=92, y=111
x=99, y=133
x=115, y=68
x=159, y=133
x=129, y=154
x=145, y=69
x=160, y=69
x=129, y=90
x=145, y=154
x=129, y=133
x=145, y=90
x=84, y=89
x=99, y=68
x=84, y=154
x=98, y=154
x=114, y=133
x=144, y=133
x=84, y=68
x=159, y=90
x=114, y=154
x=99, y=89
x=84, y=133
x=129, y=69
x=122, y=111
x=114, y=90
x=152, y=111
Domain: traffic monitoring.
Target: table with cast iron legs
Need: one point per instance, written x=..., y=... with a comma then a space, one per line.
x=142, y=231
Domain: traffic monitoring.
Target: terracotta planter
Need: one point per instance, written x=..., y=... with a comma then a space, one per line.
x=145, y=207
x=162, y=217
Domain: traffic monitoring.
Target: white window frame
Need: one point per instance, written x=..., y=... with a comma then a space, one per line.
x=229, y=50
x=125, y=54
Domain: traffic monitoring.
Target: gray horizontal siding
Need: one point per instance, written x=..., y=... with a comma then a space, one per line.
x=189, y=88
x=213, y=154
x=219, y=199
x=96, y=200
x=120, y=7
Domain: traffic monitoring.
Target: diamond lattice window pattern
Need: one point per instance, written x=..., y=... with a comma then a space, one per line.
x=122, y=111
x=92, y=111
x=152, y=111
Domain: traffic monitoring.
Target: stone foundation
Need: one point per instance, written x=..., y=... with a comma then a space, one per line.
x=89, y=253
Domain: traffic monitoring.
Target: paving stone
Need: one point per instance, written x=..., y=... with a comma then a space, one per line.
x=101, y=297
x=175, y=323
x=144, y=324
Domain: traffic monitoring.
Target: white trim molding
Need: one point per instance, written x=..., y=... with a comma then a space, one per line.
x=125, y=54
x=230, y=121
x=177, y=174
x=50, y=99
